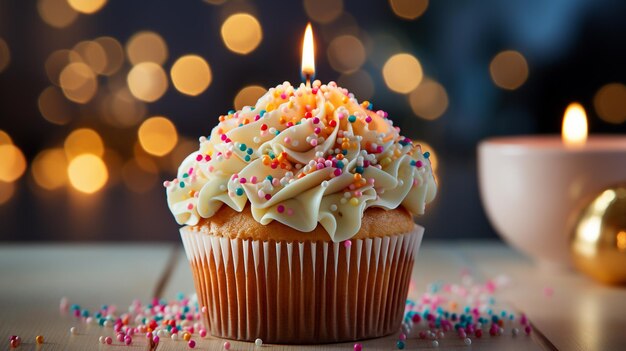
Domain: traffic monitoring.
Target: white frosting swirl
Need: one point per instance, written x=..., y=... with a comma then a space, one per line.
x=303, y=156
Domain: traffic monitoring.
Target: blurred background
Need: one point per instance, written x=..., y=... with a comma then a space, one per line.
x=100, y=100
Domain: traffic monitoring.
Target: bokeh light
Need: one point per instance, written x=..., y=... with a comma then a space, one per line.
x=402, y=73
x=346, y=53
x=83, y=141
x=509, y=70
x=146, y=46
x=429, y=100
x=157, y=136
x=610, y=103
x=360, y=83
x=141, y=176
x=323, y=11
x=114, y=54
x=147, y=81
x=87, y=6
x=93, y=54
x=57, y=61
x=242, y=33
x=191, y=75
x=54, y=107
x=121, y=109
x=5, y=138
x=12, y=163
x=87, y=173
x=408, y=9
x=5, y=55
x=78, y=82
x=49, y=169
x=56, y=13
x=6, y=192
x=248, y=96
x=434, y=159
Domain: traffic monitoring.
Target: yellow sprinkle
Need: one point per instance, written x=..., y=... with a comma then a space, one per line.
x=344, y=100
x=39, y=339
x=270, y=107
x=385, y=161
x=186, y=336
x=354, y=201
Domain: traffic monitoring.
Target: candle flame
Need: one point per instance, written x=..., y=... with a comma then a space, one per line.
x=574, y=125
x=308, y=54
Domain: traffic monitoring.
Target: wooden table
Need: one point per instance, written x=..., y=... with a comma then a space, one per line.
x=568, y=311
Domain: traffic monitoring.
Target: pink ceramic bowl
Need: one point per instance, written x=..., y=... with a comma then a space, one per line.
x=532, y=188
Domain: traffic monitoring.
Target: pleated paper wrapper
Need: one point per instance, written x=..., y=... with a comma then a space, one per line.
x=301, y=292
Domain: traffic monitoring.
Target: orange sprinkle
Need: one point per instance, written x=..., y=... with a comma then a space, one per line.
x=340, y=157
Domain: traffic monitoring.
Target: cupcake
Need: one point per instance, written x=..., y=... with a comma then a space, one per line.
x=297, y=218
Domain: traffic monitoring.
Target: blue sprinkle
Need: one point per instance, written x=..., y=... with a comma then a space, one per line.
x=249, y=151
x=400, y=345
x=262, y=113
x=427, y=154
x=359, y=169
x=247, y=158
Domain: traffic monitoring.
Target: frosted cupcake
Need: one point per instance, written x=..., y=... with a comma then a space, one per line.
x=297, y=217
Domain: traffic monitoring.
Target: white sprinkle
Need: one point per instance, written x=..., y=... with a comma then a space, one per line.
x=333, y=207
x=73, y=330
x=258, y=342
x=174, y=337
x=467, y=341
x=435, y=343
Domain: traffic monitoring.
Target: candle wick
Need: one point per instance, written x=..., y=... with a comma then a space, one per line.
x=307, y=79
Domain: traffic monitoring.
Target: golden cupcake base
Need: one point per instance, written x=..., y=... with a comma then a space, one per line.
x=301, y=292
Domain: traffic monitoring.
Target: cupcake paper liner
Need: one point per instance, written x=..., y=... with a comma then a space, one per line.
x=301, y=292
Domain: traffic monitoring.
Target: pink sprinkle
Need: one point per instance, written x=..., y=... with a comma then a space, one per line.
x=347, y=243
x=192, y=344
x=283, y=96
x=128, y=340
x=120, y=337
x=340, y=115
x=402, y=336
x=108, y=340
x=316, y=120
x=317, y=130
x=190, y=206
x=203, y=309
x=280, y=208
x=289, y=211
x=314, y=142
x=337, y=172
x=268, y=196
x=253, y=179
x=287, y=140
x=202, y=333
x=226, y=345
x=261, y=194
x=528, y=329
x=320, y=166
x=207, y=158
x=358, y=347
x=548, y=291
x=242, y=180
x=368, y=119
x=358, y=193
x=199, y=157
x=223, y=137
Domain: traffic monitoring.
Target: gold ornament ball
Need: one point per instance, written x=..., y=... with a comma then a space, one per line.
x=598, y=243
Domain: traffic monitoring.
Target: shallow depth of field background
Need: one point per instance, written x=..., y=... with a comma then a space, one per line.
x=101, y=100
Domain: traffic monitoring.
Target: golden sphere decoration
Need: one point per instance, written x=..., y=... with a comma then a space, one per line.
x=598, y=243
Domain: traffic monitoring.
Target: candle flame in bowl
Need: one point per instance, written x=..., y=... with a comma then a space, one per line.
x=308, y=54
x=574, y=131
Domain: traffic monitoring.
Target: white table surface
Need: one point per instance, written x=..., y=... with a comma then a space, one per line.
x=579, y=315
